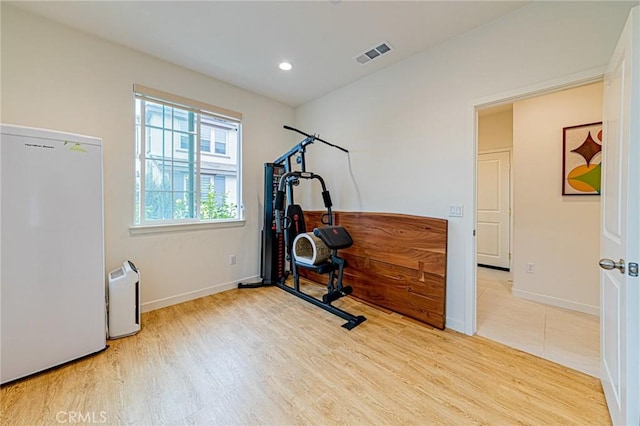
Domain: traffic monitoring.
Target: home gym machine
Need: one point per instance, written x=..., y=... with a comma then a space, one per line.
x=284, y=236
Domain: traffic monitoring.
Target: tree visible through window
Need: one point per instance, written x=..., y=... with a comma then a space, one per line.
x=178, y=177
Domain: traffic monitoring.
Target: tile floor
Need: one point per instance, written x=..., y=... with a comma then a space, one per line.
x=567, y=337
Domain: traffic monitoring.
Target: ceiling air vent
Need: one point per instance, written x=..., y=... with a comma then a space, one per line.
x=374, y=53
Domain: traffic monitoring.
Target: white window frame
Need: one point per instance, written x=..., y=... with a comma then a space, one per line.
x=153, y=225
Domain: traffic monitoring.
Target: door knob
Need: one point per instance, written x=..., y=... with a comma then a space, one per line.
x=610, y=264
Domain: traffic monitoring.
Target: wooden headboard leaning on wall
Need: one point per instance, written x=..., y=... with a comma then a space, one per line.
x=397, y=262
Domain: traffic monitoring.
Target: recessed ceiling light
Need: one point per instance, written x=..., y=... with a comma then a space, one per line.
x=285, y=66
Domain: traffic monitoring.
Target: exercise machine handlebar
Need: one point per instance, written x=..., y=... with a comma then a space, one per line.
x=285, y=180
x=311, y=139
x=315, y=137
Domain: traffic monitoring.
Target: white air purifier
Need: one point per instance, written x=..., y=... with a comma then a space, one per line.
x=124, y=301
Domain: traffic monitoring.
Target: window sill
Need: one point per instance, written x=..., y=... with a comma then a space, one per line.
x=182, y=227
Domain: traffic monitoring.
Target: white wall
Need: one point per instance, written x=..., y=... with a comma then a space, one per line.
x=55, y=77
x=409, y=126
x=560, y=235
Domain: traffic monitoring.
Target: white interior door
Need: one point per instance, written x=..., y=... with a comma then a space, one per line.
x=493, y=209
x=620, y=240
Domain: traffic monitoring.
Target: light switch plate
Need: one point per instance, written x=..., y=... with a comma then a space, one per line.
x=456, y=210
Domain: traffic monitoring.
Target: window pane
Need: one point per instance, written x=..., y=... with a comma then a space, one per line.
x=157, y=175
x=215, y=200
x=184, y=120
x=158, y=143
x=155, y=114
x=136, y=217
x=158, y=205
x=206, y=186
x=220, y=189
x=138, y=112
x=184, y=177
x=184, y=205
x=167, y=117
x=219, y=195
x=184, y=142
x=168, y=146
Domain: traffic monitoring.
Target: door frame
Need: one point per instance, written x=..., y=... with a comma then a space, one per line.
x=494, y=151
x=569, y=81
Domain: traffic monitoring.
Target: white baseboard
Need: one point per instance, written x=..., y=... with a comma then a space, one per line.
x=192, y=295
x=554, y=301
x=451, y=323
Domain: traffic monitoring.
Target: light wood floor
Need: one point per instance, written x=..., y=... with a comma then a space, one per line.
x=263, y=356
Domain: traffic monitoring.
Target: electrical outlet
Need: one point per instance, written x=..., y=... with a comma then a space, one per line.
x=232, y=259
x=531, y=268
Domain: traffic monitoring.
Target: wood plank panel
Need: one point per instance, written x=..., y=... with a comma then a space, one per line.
x=398, y=262
x=413, y=241
x=397, y=288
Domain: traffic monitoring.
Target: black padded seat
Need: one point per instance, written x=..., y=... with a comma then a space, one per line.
x=334, y=237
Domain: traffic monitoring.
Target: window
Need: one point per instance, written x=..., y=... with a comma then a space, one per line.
x=213, y=184
x=177, y=177
x=213, y=196
x=221, y=141
x=205, y=139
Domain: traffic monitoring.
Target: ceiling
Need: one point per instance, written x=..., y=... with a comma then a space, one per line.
x=242, y=42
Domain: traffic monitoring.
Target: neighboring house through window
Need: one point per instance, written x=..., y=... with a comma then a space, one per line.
x=179, y=178
x=213, y=184
x=221, y=141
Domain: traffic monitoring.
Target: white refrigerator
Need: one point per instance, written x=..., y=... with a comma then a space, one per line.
x=52, y=278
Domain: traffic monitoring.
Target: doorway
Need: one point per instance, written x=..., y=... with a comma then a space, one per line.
x=544, y=298
x=495, y=142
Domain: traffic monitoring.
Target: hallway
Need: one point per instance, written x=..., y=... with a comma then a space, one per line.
x=560, y=335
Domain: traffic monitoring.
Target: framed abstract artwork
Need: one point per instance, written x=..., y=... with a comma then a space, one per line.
x=581, y=159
